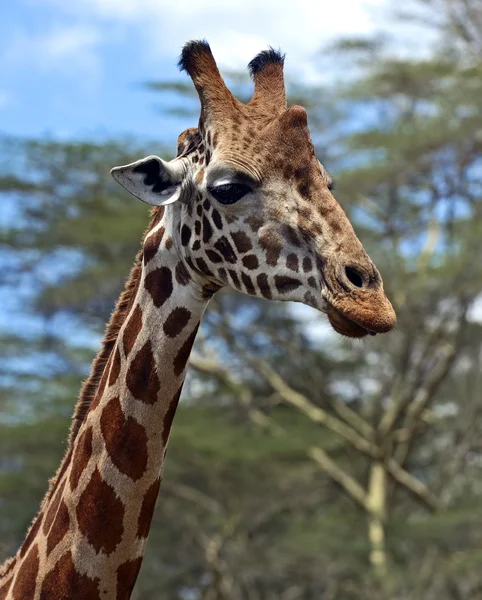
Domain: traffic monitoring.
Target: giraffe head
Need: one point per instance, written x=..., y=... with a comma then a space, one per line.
x=250, y=204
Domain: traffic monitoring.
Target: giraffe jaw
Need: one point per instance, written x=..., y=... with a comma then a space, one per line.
x=345, y=326
x=357, y=319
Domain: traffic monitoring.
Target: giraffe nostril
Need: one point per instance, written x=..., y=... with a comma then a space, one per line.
x=354, y=277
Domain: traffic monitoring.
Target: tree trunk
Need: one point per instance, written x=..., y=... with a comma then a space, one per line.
x=376, y=506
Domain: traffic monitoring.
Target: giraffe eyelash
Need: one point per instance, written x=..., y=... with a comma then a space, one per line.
x=229, y=193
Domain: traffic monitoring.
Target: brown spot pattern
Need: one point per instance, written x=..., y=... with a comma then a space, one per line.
x=190, y=262
x=292, y=262
x=248, y=284
x=142, y=379
x=4, y=588
x=182, y=275
x=291, y=236
x=126, y=578
x=31, y=535
x=287, y=171
x=262, y=281
x=254, y=222
x=25, y=582
x=60, y=527
x=100, y=514
x=125, y=440
x=10, y=565
x=286, y=284
x=159, y=285
x=214, y=256
x=335, y=225
x=53, y=508
x=132, y=330
x=158, y=213
x=102, y=384
x=271, y=244
x=225, y=249
x=207, y=230
x=304, y=188
x=307, y=264
x=152, y=243
x=169, y=416
x=217, y=219
x=116, y=365
x=82, y=455
x=184, y=352
x=64, y=582
x=147, y=509
x=241, y=241
x=251, y=262
x=235, y=278
x=202, y=266
x=176, y=321
x=185, y=235
x=58, y=478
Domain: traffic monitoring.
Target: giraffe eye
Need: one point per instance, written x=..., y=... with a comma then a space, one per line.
x=229, y=193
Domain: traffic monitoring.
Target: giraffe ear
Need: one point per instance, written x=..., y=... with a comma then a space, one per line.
x=152, y=180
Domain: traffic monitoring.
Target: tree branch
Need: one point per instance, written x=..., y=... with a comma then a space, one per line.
x=354, y=490
x=412, y=484
x=317, y=414
x=422, y=398
x=354, y=420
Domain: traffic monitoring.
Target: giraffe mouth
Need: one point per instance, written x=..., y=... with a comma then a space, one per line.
x=364, y=311
x=345, y=326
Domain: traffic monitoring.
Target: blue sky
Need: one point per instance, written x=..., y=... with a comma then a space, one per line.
x=72, y=69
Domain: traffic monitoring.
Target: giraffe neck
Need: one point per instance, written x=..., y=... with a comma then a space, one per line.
x=89, y=537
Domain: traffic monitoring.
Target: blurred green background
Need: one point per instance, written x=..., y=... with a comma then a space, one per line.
x=302, y=466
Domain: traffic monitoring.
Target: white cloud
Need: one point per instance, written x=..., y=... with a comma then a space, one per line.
x=236, y=29
x=69, y=48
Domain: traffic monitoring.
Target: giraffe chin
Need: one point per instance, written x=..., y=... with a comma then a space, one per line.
x=345, y=326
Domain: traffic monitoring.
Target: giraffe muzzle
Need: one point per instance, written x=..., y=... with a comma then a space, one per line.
x=356, y=303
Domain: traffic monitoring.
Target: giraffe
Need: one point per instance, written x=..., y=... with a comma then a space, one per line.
x=245, y=204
